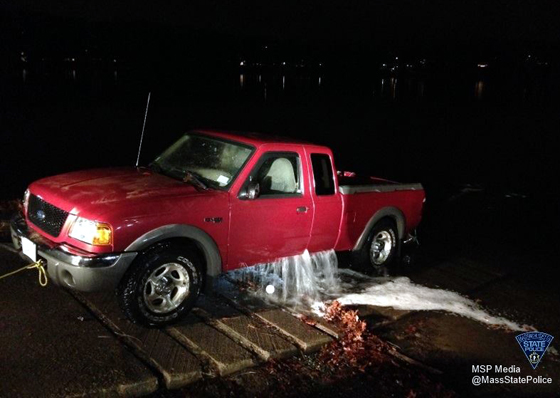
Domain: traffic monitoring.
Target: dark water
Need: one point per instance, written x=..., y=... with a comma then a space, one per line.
x=496, y=129
x=484, y=146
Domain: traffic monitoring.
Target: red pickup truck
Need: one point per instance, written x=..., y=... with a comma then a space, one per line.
x=212, y=202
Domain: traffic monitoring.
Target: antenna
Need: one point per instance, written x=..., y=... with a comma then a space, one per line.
x=143, y=127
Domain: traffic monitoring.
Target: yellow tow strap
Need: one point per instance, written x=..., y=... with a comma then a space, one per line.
x=43, y=280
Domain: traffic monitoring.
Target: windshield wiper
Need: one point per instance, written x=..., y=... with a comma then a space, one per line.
x=195, y=179
x=155, y=167
x=183, y=175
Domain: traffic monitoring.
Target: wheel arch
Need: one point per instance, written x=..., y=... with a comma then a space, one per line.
x=201, y=239
x=391, y=213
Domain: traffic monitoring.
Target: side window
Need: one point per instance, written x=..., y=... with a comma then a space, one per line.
x=278, y=174
x=323, y=174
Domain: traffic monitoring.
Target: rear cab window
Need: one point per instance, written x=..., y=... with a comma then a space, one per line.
x=322, y=174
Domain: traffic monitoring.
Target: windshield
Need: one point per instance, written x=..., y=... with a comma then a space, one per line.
x=211, y=160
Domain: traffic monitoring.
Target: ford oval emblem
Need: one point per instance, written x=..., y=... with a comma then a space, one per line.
x=41, y=215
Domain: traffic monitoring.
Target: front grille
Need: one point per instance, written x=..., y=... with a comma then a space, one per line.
x=46, y=216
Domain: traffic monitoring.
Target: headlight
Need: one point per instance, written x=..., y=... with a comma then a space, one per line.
x=92, y=232
x=25, y=201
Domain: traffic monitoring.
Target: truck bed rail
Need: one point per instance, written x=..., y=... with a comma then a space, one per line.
x=351, y=189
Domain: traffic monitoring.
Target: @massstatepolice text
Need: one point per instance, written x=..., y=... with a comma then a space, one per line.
x=505, y=376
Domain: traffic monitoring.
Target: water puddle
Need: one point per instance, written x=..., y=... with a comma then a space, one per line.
x=402, y=294
x=309, y=282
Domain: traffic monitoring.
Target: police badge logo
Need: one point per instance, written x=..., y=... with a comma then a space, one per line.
x=534, y=345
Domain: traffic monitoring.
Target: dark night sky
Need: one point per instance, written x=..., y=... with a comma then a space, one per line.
x=191, y=50
x=402, y=23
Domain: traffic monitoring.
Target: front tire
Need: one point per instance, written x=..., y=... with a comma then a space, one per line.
x=162, y=285
x=379, y=252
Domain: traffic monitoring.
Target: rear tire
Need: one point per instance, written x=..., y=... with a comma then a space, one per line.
x=380, y=250
x=162, y=285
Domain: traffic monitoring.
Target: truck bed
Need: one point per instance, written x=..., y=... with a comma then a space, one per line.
x=365, y=196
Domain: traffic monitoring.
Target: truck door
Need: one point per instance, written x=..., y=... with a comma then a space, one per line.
x=277, y=223
x=327, y=203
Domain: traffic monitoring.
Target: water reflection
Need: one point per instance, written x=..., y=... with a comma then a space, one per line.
x=420, y=89
x=267, y=83
x=394, y=88
x=479, y=89
x=535, y=90
x=393, y=83
x=71, y=75
x=391, y=88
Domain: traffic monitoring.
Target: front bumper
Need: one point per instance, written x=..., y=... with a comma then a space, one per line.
x=70, y=267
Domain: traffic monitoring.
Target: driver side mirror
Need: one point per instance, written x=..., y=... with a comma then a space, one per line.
x=251, y=192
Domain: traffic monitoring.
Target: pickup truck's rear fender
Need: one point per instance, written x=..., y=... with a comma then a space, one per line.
x=386, y=212
x=207, y=245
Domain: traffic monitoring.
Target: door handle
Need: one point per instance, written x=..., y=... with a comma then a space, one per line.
x=302, y=209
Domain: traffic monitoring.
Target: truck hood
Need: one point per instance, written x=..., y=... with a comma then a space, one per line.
x=99, y=190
